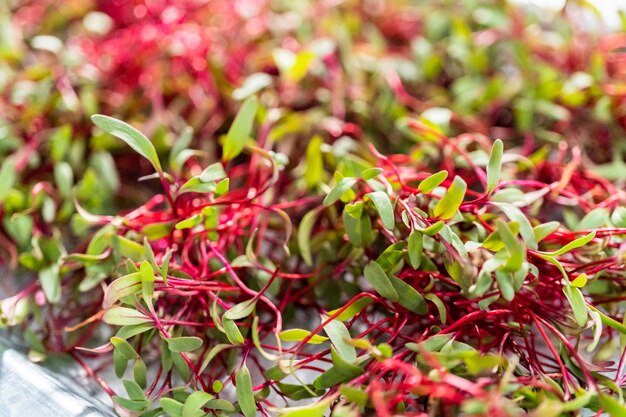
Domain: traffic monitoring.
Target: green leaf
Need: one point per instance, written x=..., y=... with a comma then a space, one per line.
x=606, y=320
x=354, y=228
x=315, y=410
x=298, y=392
x=370, y=173
x=213, y=172
x=441, y=308
x=252, y=85
x=215, y=350
x=495, y=165
x=434, y=229
x=125, y=349
x=415, y=248
x=341, y=371
x=140, y=372
x=385, y=208
x=355, y=210
x=505, y=283
x=432, y=344
x=165, y=265
x=220, y=404
x=217, y=386
x=612, y=405
x=63, y=177
x=516, y=215
x=432, y=182
x=180, y=145
x=166, y=357
x=131, y=405
x=581, y=241
x=149, y=255
x=376, y=276
x=232, y=332
x=513, y=246
x=578, y=403
x=241, y=310
x=119, y=363
x=121, y=287
x=618, y=218
x=59, y=142
x=338, y=334
x=275, y=373
x=126, y=332
x=300, y=66
x=194, y=185
x=134, y=390
x=304, y=235
x=595, y=219
x=184, y=344
x=337, y=191
x=354, y=309
x=20, y=227
x=577, y=302
x=172, y=407
x=544, y=230
x=222, y=187
x=241, y=129
x=7, y=178
x=128, y=248
x=243, y=389
x=195, y=402
x=147, y=281
x=354, y=395
x=122, y=316
x=296, y=335
x=314, y=162
x=409, y=297
x=580, y=281
x=189, y=223
x=51, y=283
x=182, y=367
x=133, y=138
x=447, y=207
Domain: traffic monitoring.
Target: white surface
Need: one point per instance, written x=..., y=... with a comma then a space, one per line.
x=28, y=390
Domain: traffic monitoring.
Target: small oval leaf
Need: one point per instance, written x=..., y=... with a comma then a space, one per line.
x=432, y=182
x=337, y=191
x=147, y=281
x=184, y=344
x=241, y=129
x=125, y=349
x=195, y=402
x=245, y=395
x=122, y=316
x=7, y=178
x=385, y=208
x=304, y=235
x=495, y=165
x=353, y=309
x=415, y=248
x=447, y=207
x=376, y=276
x=241, y=310
x=339, y=334
x=296, y=335
x=409, y=297
x=133, y=138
